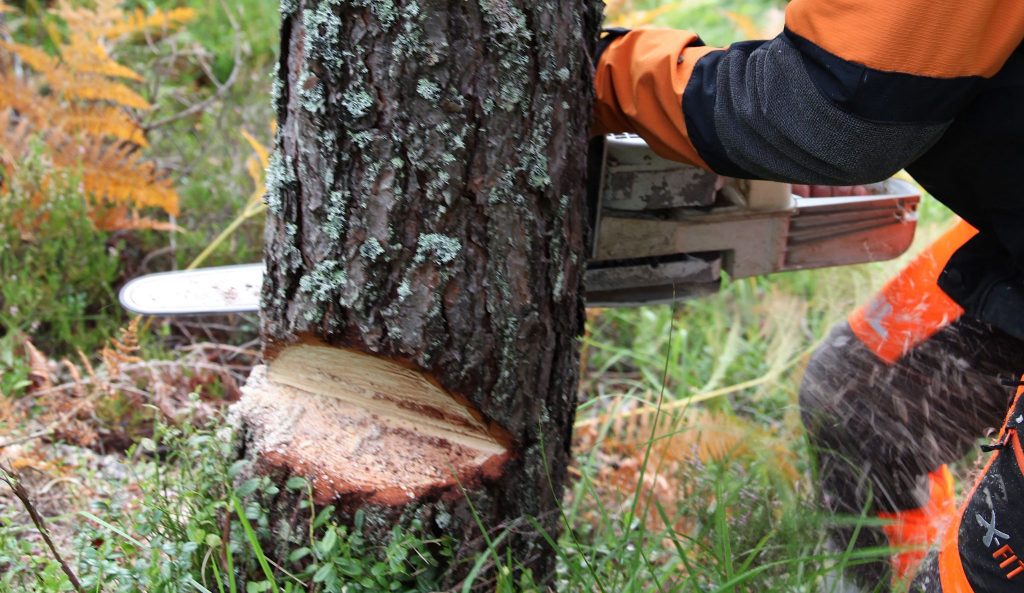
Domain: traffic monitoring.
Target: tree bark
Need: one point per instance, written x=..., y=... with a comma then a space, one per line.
x=424, y=250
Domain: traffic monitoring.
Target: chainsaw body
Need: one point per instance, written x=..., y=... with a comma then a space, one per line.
x=661, y=231
x=666, y=231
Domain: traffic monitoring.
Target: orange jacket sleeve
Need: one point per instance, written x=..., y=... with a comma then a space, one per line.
x=640, y=82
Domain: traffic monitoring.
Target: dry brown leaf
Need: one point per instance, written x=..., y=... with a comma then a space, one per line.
x=39, y=367
x=77, y=386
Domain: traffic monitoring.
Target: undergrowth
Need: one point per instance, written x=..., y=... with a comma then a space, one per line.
x=57, y=270
x=182, y=527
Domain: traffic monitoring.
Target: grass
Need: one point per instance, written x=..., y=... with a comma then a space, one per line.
x=691, y=470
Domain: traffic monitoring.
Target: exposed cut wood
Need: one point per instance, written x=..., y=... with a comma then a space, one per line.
x=364, y=428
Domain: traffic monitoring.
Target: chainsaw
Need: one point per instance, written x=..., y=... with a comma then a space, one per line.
x=662, y=231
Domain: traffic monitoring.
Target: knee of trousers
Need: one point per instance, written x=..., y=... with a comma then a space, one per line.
x=835, y=376
x=851, y=403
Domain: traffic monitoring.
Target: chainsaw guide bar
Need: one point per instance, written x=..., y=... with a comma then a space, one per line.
x=208, y=291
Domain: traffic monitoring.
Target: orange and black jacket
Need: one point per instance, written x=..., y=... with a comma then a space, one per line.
x=851, y=92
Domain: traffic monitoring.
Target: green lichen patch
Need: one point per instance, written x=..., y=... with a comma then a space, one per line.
x=442, y=249
x=336, y=219
x=508, y=32
x=320, y=285
x=404, y=290
x=311, y=94
x=322, y=28
x=428, y=89
x=371, y=249
x=357, y=102
x=385, y=11
x=279, y=176
x=277, y=86
x=288, y=7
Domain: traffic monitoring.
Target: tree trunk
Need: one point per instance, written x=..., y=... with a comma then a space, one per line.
x=425, y=246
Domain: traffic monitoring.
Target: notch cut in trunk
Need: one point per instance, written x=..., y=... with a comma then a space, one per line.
x=365, y=429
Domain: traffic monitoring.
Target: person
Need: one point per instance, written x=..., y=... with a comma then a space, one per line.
x=850, y=93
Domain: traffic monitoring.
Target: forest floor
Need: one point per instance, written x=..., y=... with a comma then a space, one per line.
x=691, y=472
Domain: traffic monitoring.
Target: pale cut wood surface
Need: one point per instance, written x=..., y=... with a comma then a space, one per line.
x=364, y=428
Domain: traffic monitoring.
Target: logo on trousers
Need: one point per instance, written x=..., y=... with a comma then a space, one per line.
x=991, y=533
x=1008, y=561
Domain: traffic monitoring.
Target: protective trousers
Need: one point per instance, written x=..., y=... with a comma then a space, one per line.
x=902, y=387
x=978, y=552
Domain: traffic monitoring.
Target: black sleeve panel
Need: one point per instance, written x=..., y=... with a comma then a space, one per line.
x=881, y=96
x=977, y=169
x=753, y=110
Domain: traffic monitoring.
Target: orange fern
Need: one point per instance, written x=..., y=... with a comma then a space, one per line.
x=139, y=21
x=87, y=56
x=105, y=122
x=81, y=104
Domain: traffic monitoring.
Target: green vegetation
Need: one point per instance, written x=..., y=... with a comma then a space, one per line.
x=57, y=271
x=728, y=507
x=186, y=517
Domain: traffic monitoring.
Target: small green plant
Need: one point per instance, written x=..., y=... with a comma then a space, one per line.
x=343, y=561
x=13, y=369
x=56, y=269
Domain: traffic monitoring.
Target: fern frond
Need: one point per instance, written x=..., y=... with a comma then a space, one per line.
x=85, y=55
x=701, y=436
x=139, y=21
x=252, y=166
x=104, y=122
x=136, y=185
x=78, y=104
x=115, y=174
x=123, y=219
x=261, y=151
x=122, y=350
x=37, y=59
x=14, y=94
x=103, y=14
x=13, y=146
x=256, y=166
x=95, y=88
